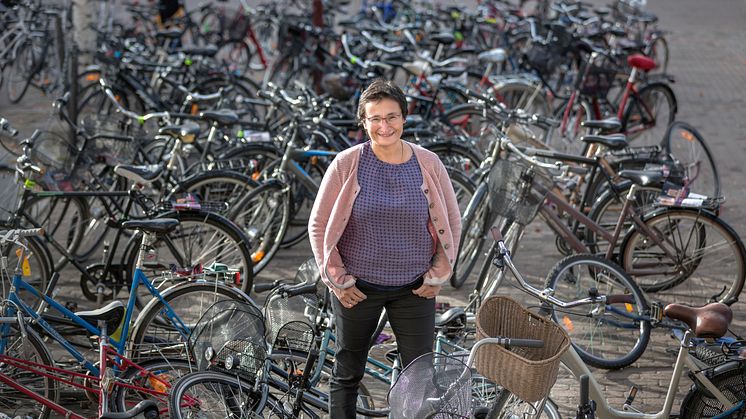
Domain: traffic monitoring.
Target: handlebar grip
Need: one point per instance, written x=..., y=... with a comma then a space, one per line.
x=265, y=287
x=526, y=343
x=620, y=298
x=300, y=289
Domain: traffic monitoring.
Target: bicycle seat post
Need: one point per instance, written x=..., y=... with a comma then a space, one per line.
x=147, y=240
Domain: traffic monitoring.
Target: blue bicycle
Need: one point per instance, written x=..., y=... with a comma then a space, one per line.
x=155, y=341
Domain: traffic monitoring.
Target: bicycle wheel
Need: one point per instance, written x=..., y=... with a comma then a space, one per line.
x=287, y=367
x=605, y=335
x=694, y=258
x=607, y=208
x=701, y=403
x=63, y=218
x=201, y=239
x=509, y=406
x=648, y=114
x=22, y=67
x=154, y=336
x=146, y=379
x=688, y=148
x=218, y=187
x=472, y=236
x=264, y=215
x=522, y=95
x=208, y=394
x=457, y=155
x=25, y=350
x=659, y=53
x=463, y=187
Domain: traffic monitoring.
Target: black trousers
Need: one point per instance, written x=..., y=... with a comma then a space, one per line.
x=412, y=319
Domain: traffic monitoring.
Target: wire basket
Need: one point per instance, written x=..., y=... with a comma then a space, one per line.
x=290, y=320
x=229, y=337
x=598, y=81
x=433, y=386
x=529, y=373
x=119, y=148
x=517, y=190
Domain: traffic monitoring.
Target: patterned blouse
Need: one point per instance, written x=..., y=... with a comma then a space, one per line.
x=388, y=223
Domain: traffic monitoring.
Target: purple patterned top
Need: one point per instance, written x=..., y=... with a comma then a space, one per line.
x=388, y=223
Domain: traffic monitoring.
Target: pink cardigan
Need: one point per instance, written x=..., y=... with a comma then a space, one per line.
x=337, y=194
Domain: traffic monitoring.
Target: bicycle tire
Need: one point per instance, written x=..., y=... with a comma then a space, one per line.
x=524, y=95
x=472, y=236
x=571, y=278
x=606, y=209
x=296, y=358
x=228, y=391
x=636, y=115
x=217, y=186
x=152, y=331
x=462, y=158
x=687, y=146
x=696, y=271
x=44, y=386
x=158, y=371
x=217, y=234
x=508, y=406
x=701, y=403
x=264, y=215
x=21, y=71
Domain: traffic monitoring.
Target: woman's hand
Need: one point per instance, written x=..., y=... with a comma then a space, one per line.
x=427, y=291
x=349, y=297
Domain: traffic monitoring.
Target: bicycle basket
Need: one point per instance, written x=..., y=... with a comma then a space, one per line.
x=517, y=190
x=432, y=386
x=229, y=337
x=542, y=58
x=290, y=320
x=529, y=373
x=598, y=81
x=113, y=150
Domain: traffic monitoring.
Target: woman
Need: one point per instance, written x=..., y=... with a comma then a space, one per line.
x=384, y=230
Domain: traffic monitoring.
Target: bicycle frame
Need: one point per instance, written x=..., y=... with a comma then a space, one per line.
x=572, y=361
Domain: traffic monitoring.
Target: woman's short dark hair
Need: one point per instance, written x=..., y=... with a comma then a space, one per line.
x=381, y=89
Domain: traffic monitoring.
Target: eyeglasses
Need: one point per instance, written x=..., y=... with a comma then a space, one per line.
x=391, y=119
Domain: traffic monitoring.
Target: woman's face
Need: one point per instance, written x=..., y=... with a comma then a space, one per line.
x=383, y=122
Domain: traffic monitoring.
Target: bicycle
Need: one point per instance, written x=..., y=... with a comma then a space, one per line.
x=531, y=193
x=720, y=386
x=116, y=343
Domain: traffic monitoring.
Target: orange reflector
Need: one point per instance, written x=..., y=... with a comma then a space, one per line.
x=629, y=307
x=237, y=278
x=92, y=77
x=257, y=256
x=255, y=176
x=195, y=109
x=568, y=323
x=687, y=135
x=314, y=160
x=158, y=383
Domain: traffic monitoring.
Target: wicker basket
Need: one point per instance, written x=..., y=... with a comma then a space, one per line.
x=517, y=190
x=529, y=373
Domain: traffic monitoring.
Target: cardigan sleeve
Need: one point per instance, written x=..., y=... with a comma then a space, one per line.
x=329, y=190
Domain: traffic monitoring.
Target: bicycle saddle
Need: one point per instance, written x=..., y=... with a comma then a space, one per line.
x=185, y=132
x=710, y=321
x=158, y=226
x=642, y=177
x=496, y=55
x=452, y=314
x=443, y=38
x=112, y=314
x=612, y=141
x=169, y=33
x=641, y=62
x=606, y=126
x=449, y=71
x=146, y=409
x=220, y=117
x=206, y=51
x=139, y=174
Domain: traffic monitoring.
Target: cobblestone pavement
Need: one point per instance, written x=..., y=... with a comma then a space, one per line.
x=707, y=43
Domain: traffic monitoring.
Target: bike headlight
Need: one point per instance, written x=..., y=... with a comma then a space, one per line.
x=209, y=354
